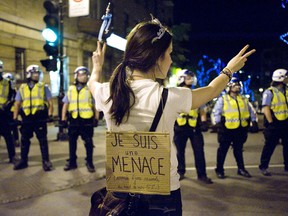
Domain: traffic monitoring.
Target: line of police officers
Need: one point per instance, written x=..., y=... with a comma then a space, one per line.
x=233, y=116
x=33, y=101
x=232, y=112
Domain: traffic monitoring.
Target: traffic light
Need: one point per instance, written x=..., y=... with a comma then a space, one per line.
x=49, y=64
x=51, y=34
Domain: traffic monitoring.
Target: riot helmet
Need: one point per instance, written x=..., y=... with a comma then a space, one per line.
x=279, y=75
x=33, y=73
x=81, y=75
x=186, y=78
x=235, y=85
x=9, y=76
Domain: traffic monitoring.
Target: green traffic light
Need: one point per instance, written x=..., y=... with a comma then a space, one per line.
x=49, y=35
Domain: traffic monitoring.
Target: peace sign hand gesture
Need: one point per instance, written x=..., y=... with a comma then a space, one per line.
x=98, y=55
x=98, y=61
x=238, y=61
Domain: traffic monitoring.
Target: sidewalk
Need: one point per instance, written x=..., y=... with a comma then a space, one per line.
x=33, y=181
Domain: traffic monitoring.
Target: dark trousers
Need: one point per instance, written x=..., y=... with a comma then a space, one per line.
x=40, y=129
x=181, y=136
x=83, y=128
x=272, y=137
x=14, y=128
x=5, y=131
x=159, y=205
x=226, y=138
x=15, y=133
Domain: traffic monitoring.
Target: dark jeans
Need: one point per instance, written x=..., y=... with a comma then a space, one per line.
x=123, y=204
x=226, y=138
x=181, y=135
x=272, y=137
x=158, y=205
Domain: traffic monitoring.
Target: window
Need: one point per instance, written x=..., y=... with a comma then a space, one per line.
x=87, y=62
x=20, y=63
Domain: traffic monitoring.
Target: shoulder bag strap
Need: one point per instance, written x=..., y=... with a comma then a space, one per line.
x=159, y=110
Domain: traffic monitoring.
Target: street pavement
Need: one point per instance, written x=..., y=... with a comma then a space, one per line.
x=34, y=192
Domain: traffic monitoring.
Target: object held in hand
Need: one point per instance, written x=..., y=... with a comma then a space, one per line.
x=104, y=29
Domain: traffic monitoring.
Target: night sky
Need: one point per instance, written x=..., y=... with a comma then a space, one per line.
x=220, y=28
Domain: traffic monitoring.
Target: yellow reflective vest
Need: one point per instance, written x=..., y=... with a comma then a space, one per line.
x=4, y=92
x=191, y=117
x=279, y=104
x=235, y=111
x=80, y=102
x=33, y=99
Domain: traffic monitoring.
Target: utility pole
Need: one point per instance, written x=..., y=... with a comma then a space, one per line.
x=54, y=35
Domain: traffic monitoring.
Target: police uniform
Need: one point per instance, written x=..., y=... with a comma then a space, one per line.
x=33, y=97
x=187, y=126
x=232, y=116
x=81, y=117
x=6, y=101
x=276, y=99
x=13, y=124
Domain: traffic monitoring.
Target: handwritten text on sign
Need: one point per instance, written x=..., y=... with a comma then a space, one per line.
x=138, y=162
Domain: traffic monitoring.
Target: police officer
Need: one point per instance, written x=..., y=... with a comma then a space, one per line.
x=232, y=113
x=189, y=125
x=7, y=94
x=35, y=100
x=81, y=115
x=13, y=125
x=275, y=108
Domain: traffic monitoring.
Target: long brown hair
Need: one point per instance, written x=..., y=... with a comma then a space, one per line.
x=142, y=53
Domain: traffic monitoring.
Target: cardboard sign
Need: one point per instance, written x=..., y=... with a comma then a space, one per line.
x=138, y=162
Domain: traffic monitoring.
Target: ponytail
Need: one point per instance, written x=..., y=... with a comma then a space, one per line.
x=120, y=94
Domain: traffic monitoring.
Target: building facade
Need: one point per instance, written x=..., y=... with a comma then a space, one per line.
x=21, y=24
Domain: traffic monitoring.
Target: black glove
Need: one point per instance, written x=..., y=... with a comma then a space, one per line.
x=271, y=126
x=95, y=123
x=50, y=118
x=204, y=126
x=219, y=126
x=254, y=128
x=15, y=122
x=64, y=124
x=7, y=106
